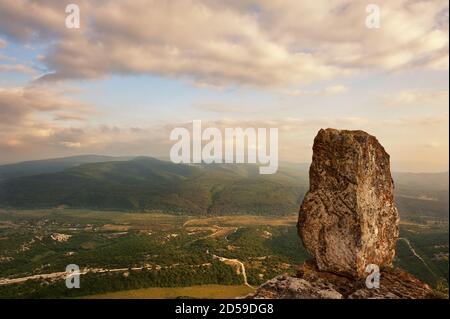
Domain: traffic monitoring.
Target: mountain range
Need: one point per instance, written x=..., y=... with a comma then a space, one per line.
x=149, y=184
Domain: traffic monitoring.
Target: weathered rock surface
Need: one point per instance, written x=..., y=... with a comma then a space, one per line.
x=287, y=287
x=311, y=283
x=348, y=219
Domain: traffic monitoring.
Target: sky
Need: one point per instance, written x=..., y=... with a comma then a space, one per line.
x=135, y=70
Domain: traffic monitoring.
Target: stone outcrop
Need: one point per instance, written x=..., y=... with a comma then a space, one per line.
x=348, y=219
x=311, y=283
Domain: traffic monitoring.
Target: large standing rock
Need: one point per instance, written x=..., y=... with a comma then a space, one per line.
x=348, y=218
x=347, y=221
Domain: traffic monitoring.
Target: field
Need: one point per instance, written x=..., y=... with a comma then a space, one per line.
x=155, y=255
x=203, y=292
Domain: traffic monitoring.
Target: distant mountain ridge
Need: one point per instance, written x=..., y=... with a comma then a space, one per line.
x=53, y=165
x=149, y=184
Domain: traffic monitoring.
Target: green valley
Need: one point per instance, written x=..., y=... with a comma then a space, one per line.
x=134, y=226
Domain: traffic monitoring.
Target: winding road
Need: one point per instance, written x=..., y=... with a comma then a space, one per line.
x=238, y=263
x=416, y=254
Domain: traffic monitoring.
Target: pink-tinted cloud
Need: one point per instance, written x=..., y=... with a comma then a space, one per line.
x=247, y=42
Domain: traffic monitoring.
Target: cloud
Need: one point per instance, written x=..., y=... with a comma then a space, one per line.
x=71, y=144
x=23, y=19
x=26, y=123
x=42, y=121
x=215, y=107
x=331, y=90
x=20, y=68
x=25, y=104
x=434, y=144
x=279, y=45
x=46, y=140
x=69, y=117
x=335, y=89
x=259, y=43
x=438, y=61
x=184, y=39
x=409, y=35
x=420, y=97
x=50, y=139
